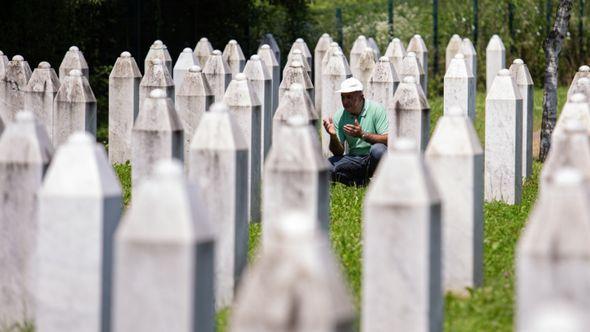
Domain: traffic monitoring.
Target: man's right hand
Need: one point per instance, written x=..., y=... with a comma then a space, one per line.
x=329, y=126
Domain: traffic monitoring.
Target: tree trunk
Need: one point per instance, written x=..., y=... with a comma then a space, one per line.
x=552, y=47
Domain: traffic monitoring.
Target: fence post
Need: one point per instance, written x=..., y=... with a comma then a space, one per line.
x=435, y=33
x=340, y=34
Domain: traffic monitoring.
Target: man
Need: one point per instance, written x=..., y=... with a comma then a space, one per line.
x=363, y=125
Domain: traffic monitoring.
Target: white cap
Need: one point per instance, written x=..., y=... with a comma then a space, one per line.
x=350, y=85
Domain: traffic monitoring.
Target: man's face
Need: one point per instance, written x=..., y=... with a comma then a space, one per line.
x=352, y=101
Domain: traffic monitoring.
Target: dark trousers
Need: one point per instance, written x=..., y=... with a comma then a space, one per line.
x=356, y=170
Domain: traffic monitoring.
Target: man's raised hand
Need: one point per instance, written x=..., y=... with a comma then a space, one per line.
x=329, y=126
x=354, y=130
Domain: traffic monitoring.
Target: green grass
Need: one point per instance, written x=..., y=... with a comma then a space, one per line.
x=488, y=308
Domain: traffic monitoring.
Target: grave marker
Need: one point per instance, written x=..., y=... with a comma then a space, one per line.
x=40, y=93
x=455, y=160
x=124, y=83
x=218, y=164
x=402, y=245
x=164, y=248
x=80, y=205
x=503, y=141
x=74, y=108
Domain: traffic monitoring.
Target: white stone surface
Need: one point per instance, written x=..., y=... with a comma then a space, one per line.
x=411, y=67
x=364, y=67
x=164, y=267
x=218, y=75
x=373, y=44
x=193, y=98
x=267, y=56
x=295, y=73
x=418, y=46
x=358, y=47
x=218, y=164
x=301, y=45
x=295, y=103
x=73, y=59
x=25, y=153
x=295, y=285
x=158, y=51
x=552, y=257
x=402, y=281
x=203, y=51
x=270, y=40
x=156, y=77
x=320, y=51
x=459, y=87
x=296, y=179
x=556, y=315
x=17, y=76
x=335, y=72
x=234, y=57
x=260, y=78
x=582, y=86
x=569, y=149
x=383, y=82
x=124, y=83
x=526, y=87
x=157, y=134
x=575, y=109
x=40, y=93
x=453, y=47
x=409, y=114
x=74, y=108
x=80, y=205
x=297, y=55
x=3, y=68
x=470, y=54
x=495, y=59
x=245, y=108
x=503, y=141
x=396, y=52
x=455, y=159
x=583, y=72
x=186, y=60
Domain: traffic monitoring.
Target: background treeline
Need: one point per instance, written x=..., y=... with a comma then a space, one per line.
x=44, y=30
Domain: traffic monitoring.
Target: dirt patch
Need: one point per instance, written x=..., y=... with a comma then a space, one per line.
x=536, y=143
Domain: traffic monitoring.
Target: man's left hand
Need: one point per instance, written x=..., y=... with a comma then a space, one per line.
x=354, y=130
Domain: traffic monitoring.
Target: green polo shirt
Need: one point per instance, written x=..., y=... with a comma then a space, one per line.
x=373, y=120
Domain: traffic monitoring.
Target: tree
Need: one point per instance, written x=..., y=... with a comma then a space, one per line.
x=552, y=48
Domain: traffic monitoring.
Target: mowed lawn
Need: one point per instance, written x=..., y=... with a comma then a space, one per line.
x=488, y=308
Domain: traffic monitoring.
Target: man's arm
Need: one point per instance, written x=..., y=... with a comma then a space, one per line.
x=335, y=146
x=355, y=130
x=374, y=138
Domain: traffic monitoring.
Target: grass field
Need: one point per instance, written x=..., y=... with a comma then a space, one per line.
x=488, y=308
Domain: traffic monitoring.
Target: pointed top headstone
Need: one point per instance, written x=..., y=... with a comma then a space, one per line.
x=577, y=109
x=218, y=74
x=43, y=79
x=503, y=87
x=314, y=296
x=295, y=101
x=396, y=53
x=453, y=47
x=295, y=73
x=31, y=139
x=186, y=59
x=203, y=51
x=74, y=59
x=158, y=51
x=520, y=72
x=233, y=55
x=240, y=93
x=125, y=67
x=270, y=40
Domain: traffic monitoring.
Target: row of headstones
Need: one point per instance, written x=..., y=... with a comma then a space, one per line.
x=71, y=266
x=552, y=253
x=297, y=179
x=63, y=104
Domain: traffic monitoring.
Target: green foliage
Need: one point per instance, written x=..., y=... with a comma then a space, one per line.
x=124, y=173
x=369, y=17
